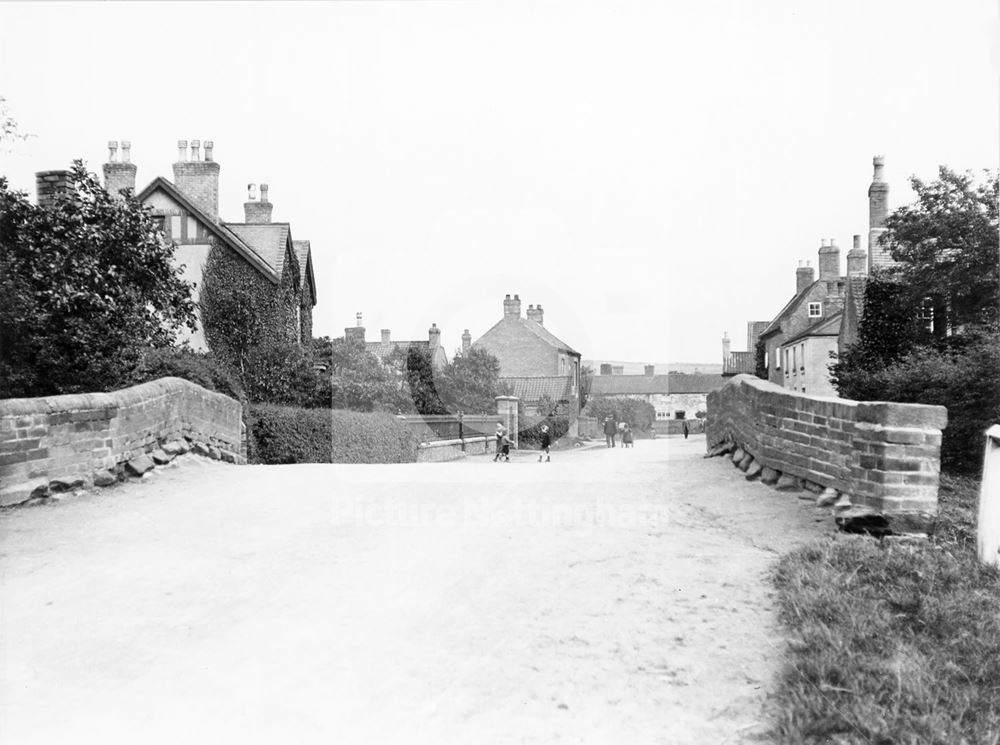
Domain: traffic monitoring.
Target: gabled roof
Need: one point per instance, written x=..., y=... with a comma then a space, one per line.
x=383, y=349
x=638, y=385
x=269, y=240
x=538, y=330
x=220, y=232
x=303, y=252
x=829, y=326
x=532, y=388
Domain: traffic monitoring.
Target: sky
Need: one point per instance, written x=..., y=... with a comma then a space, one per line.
x=651, y=173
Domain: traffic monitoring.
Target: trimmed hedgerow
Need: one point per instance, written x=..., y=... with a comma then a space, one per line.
x=371, y=438
x=531, y=437
x=201, y=368
x=288, y=434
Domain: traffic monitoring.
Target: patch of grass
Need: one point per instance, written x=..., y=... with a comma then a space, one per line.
x=892, y=642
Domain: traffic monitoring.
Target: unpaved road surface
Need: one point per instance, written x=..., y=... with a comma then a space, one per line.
x=611, y=596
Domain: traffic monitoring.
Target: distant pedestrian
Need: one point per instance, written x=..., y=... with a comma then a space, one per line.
x=610, y=430
x=500, y=434
x=687, y=430
x=505, y=447
x=627, y=441
x=546, y=442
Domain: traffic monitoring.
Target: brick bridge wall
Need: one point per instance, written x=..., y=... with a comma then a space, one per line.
x=882, y=456
x=77, y=436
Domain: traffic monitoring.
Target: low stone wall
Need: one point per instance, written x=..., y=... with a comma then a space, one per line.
x=883, y=459
x=76, y=440
x=442, y=450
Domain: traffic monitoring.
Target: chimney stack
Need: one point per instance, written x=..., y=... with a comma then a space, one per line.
x=466, y=342
x=878, y=211
x=829, y=260
x=857, y=260
x=618, y=369
x=535, y=314
x=119, y=175
x=727, y=346
x=357, y=331
x=258, y=213
x=650, y=370
x=385, y=336
x=605, y=369
x=804, y=276
x=511, y=308
x=51, y=186
x=434, y=336
x=198, y=179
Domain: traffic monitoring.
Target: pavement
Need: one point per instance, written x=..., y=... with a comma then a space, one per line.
x=610, y=596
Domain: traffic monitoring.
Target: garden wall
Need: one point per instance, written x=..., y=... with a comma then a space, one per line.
x=881, y=456
x=60, y=440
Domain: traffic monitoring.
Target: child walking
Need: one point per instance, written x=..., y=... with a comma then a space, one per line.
x=546, y=442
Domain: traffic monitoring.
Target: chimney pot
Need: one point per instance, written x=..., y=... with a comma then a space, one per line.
x=195, y=149
x=385, y=336
x=209, y=145
x=263, y=192
x=126, y=151
x=112, y=149
x=251, y=192
x=822, y=242
x=182, y=146
x=357, y=318
x=857, y=241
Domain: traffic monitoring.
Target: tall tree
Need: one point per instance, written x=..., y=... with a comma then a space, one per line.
x=421, y=379
x=86, y=286
x=470, y=383
x=360, y=381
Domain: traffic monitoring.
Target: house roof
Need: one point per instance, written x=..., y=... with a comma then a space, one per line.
x=635, y=385
x=538, y=330
x=303, y=252
x=220, y=232
x=382, y=349
x=269, y=240
x=829, y=326
x=531, y=389
x=740, y=363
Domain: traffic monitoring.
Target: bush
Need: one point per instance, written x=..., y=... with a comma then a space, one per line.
x=200, y=368
x=282, y=373
x=531, y=437
x=288, y=434
x=638, y=414
x=371, y=438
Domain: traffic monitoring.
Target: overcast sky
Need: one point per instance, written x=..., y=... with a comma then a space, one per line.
x=651, y=173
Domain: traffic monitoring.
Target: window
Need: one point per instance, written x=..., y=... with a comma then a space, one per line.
x=802, y=356
x=175, y=227
x=926, y=316
x=815, y=310
x=192, y=227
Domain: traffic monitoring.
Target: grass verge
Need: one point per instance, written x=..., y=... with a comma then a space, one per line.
x=892, y=642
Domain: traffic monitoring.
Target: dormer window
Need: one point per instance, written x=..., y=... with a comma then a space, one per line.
x=815, y=310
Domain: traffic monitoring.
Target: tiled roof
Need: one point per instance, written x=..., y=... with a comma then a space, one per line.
x=303, y=252
x=269, y=240
x=530, y=389
x=545, y=335
x=635, y=385
x=829, y=326
x=227, y=236
x=382, y=349
x=754, y=330
x=740, y=363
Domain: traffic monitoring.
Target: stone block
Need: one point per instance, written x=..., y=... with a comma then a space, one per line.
x=744, y=464
x=200, y=448
x=104, y=478
x=139, y=465
x=812, y=486
x=66, y=483
x=921, y=416
x=22, y=492
x=161, y=457
x=787, y=482
x=769, y=476
x=828, y=497
x=754, y=470
x=738, y=455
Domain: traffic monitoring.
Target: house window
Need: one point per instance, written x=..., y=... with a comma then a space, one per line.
x=802, y=356
x=815, y=310
x=175, y=227
x=192, y=227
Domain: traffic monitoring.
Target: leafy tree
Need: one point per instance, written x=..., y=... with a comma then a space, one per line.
x=549, y=407
x=420, y=378
x=586, y=384
x=9, y=129
x=760, y=359
x=470, y=383
x=638, y=414
x=87, y=286
x=359, y=380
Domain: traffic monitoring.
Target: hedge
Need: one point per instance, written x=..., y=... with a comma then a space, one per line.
x=531, y=437
x=371, y=438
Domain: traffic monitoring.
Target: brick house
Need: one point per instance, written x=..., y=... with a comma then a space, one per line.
x=188, y=212
x=386, y=346
x=533, y=361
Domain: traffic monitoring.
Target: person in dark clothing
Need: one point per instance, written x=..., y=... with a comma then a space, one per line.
x=500, y=436
x=627, y=441
x=610, y=430
x=546, y=442
x=687, y=430
x=505, y=447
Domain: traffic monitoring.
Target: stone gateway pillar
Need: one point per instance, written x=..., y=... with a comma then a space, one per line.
x=507, y=413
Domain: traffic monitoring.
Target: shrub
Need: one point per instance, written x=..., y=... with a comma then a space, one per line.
x=288, y=434
x=371, y=438
x=198, y=367
x=282, y=373
x=531, y=437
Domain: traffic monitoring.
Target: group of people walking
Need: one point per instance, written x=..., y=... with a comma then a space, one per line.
x=503, y=444
x=621, y=430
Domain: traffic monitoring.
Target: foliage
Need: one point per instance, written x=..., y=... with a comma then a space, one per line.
x=701, y=414
x=531, y=437
x=286, y=434
x=420, y=378
x=9, y=129
x=359, y=380
x=283, y=373
x=201, y=368
x=947, y=246
x=86, y=288
x=371, y=438
x=586, y=385
x=892, y=643
x=470, y=383
x=760, y=359
x=638, y=414
x=549, y=407
x=961, y=378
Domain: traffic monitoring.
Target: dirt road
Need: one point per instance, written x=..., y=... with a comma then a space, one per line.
x=612, y=596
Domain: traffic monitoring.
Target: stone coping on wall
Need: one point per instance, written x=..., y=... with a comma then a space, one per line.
x=54, y=443
x=882, y=458
x=443, y=450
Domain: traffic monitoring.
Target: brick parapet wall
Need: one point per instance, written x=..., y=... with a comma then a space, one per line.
x=885, y=456
x=75, y=436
